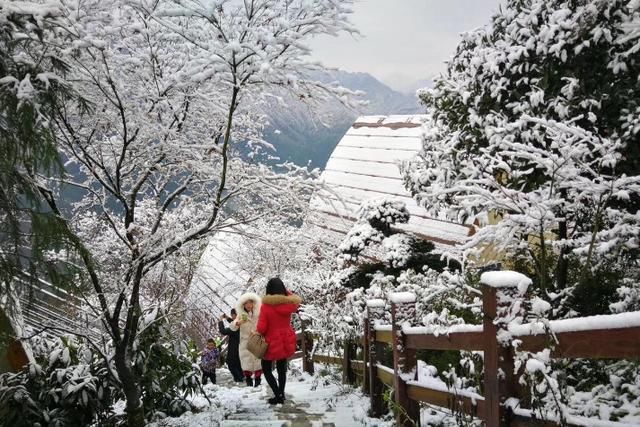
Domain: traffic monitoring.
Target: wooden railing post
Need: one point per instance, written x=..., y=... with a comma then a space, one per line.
x=365, y=357
x=403, y=311
x=375, y=312
x=307, y=349
x=347, y=356
x=498, y=289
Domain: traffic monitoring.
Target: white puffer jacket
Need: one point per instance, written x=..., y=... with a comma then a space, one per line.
x=248, y=361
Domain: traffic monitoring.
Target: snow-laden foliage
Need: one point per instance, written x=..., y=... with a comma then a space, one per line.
x=68, y=385
x=164, y=364
x=628, y=298
x=73, y=383
x=383, y=213
x=532, y=134
x=375, y=219
x=376, y=259
x=397, y=250
x=272, y=248
x=357, y=240
x=32, y=83
x=250, y=46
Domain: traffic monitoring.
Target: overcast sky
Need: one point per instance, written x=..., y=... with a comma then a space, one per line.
x=403, y=41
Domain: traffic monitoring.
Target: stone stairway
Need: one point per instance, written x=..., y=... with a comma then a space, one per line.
x=256, y=411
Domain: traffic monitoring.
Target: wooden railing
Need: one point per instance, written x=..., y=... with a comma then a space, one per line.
x=611, y=336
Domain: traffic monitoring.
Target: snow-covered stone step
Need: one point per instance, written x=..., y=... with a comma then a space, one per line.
x=255, y=423
x=253, y=416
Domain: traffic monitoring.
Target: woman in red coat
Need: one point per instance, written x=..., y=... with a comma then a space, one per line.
x=274, y=324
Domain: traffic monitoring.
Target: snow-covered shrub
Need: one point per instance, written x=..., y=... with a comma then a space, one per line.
x=357, y=240
x=382, y=213
x=380, y=260
x=628, y=297
x=398, y=250
x=68, y=385
x=72, y=383
x=164, y=364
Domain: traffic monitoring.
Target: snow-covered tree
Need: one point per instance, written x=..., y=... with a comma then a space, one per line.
x=32, y=83
x=154, y=163
x=532, y=134
x=256, y=49
x=535, y=124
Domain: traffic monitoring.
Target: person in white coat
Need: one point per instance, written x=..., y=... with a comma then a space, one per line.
x=248, y=310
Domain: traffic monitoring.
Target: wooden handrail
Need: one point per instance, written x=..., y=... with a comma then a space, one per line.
x=454, y=402
x=331, y=360
x=384, y=336
x=386, y=377
x=620, y=343
x=469, y=341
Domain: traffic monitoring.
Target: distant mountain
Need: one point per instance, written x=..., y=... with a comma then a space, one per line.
x=420, y=84
x=302, y=135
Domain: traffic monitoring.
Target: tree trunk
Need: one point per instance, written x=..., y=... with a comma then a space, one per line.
x=562, y=268
x=134, y=408
x=543, y=273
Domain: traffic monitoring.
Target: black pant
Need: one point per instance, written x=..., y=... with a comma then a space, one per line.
x=235, y=369
x=210, y=375
x=281, y=367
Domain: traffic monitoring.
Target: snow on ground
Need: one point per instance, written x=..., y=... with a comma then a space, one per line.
x=222, y=401
x=333, y=402
x=314, y=401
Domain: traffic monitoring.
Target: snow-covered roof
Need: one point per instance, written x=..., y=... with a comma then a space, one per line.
x=218, y=282
x=219, y=279
x=43, y=304
x=364, y=165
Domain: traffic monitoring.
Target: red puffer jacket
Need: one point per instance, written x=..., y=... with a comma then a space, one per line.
x=274, y=324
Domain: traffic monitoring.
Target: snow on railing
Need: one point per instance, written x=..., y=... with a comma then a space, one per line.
x=375, y=303
x=446, y=330
x=402, y=297
x=607, y=336
x=590, y=323
x=505, y=279
x=385, y=368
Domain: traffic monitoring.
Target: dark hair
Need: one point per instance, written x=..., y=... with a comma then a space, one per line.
x=233, y=311
x=276, y=287
x=211, y=340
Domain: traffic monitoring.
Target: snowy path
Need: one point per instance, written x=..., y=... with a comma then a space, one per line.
x=318, y=401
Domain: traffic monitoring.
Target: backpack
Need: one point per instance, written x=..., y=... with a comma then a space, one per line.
x=209, y=360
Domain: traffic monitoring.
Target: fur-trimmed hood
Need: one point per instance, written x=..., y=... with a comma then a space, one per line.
x=281, y=299
x=257, y=302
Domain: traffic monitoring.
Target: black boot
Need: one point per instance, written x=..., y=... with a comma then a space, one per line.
x=249, y=381
x=276, y=400
x=257, y=382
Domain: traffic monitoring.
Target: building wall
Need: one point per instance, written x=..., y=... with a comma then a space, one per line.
x=12, y=355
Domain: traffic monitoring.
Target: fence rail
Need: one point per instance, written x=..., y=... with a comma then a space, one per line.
x=612, y=336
